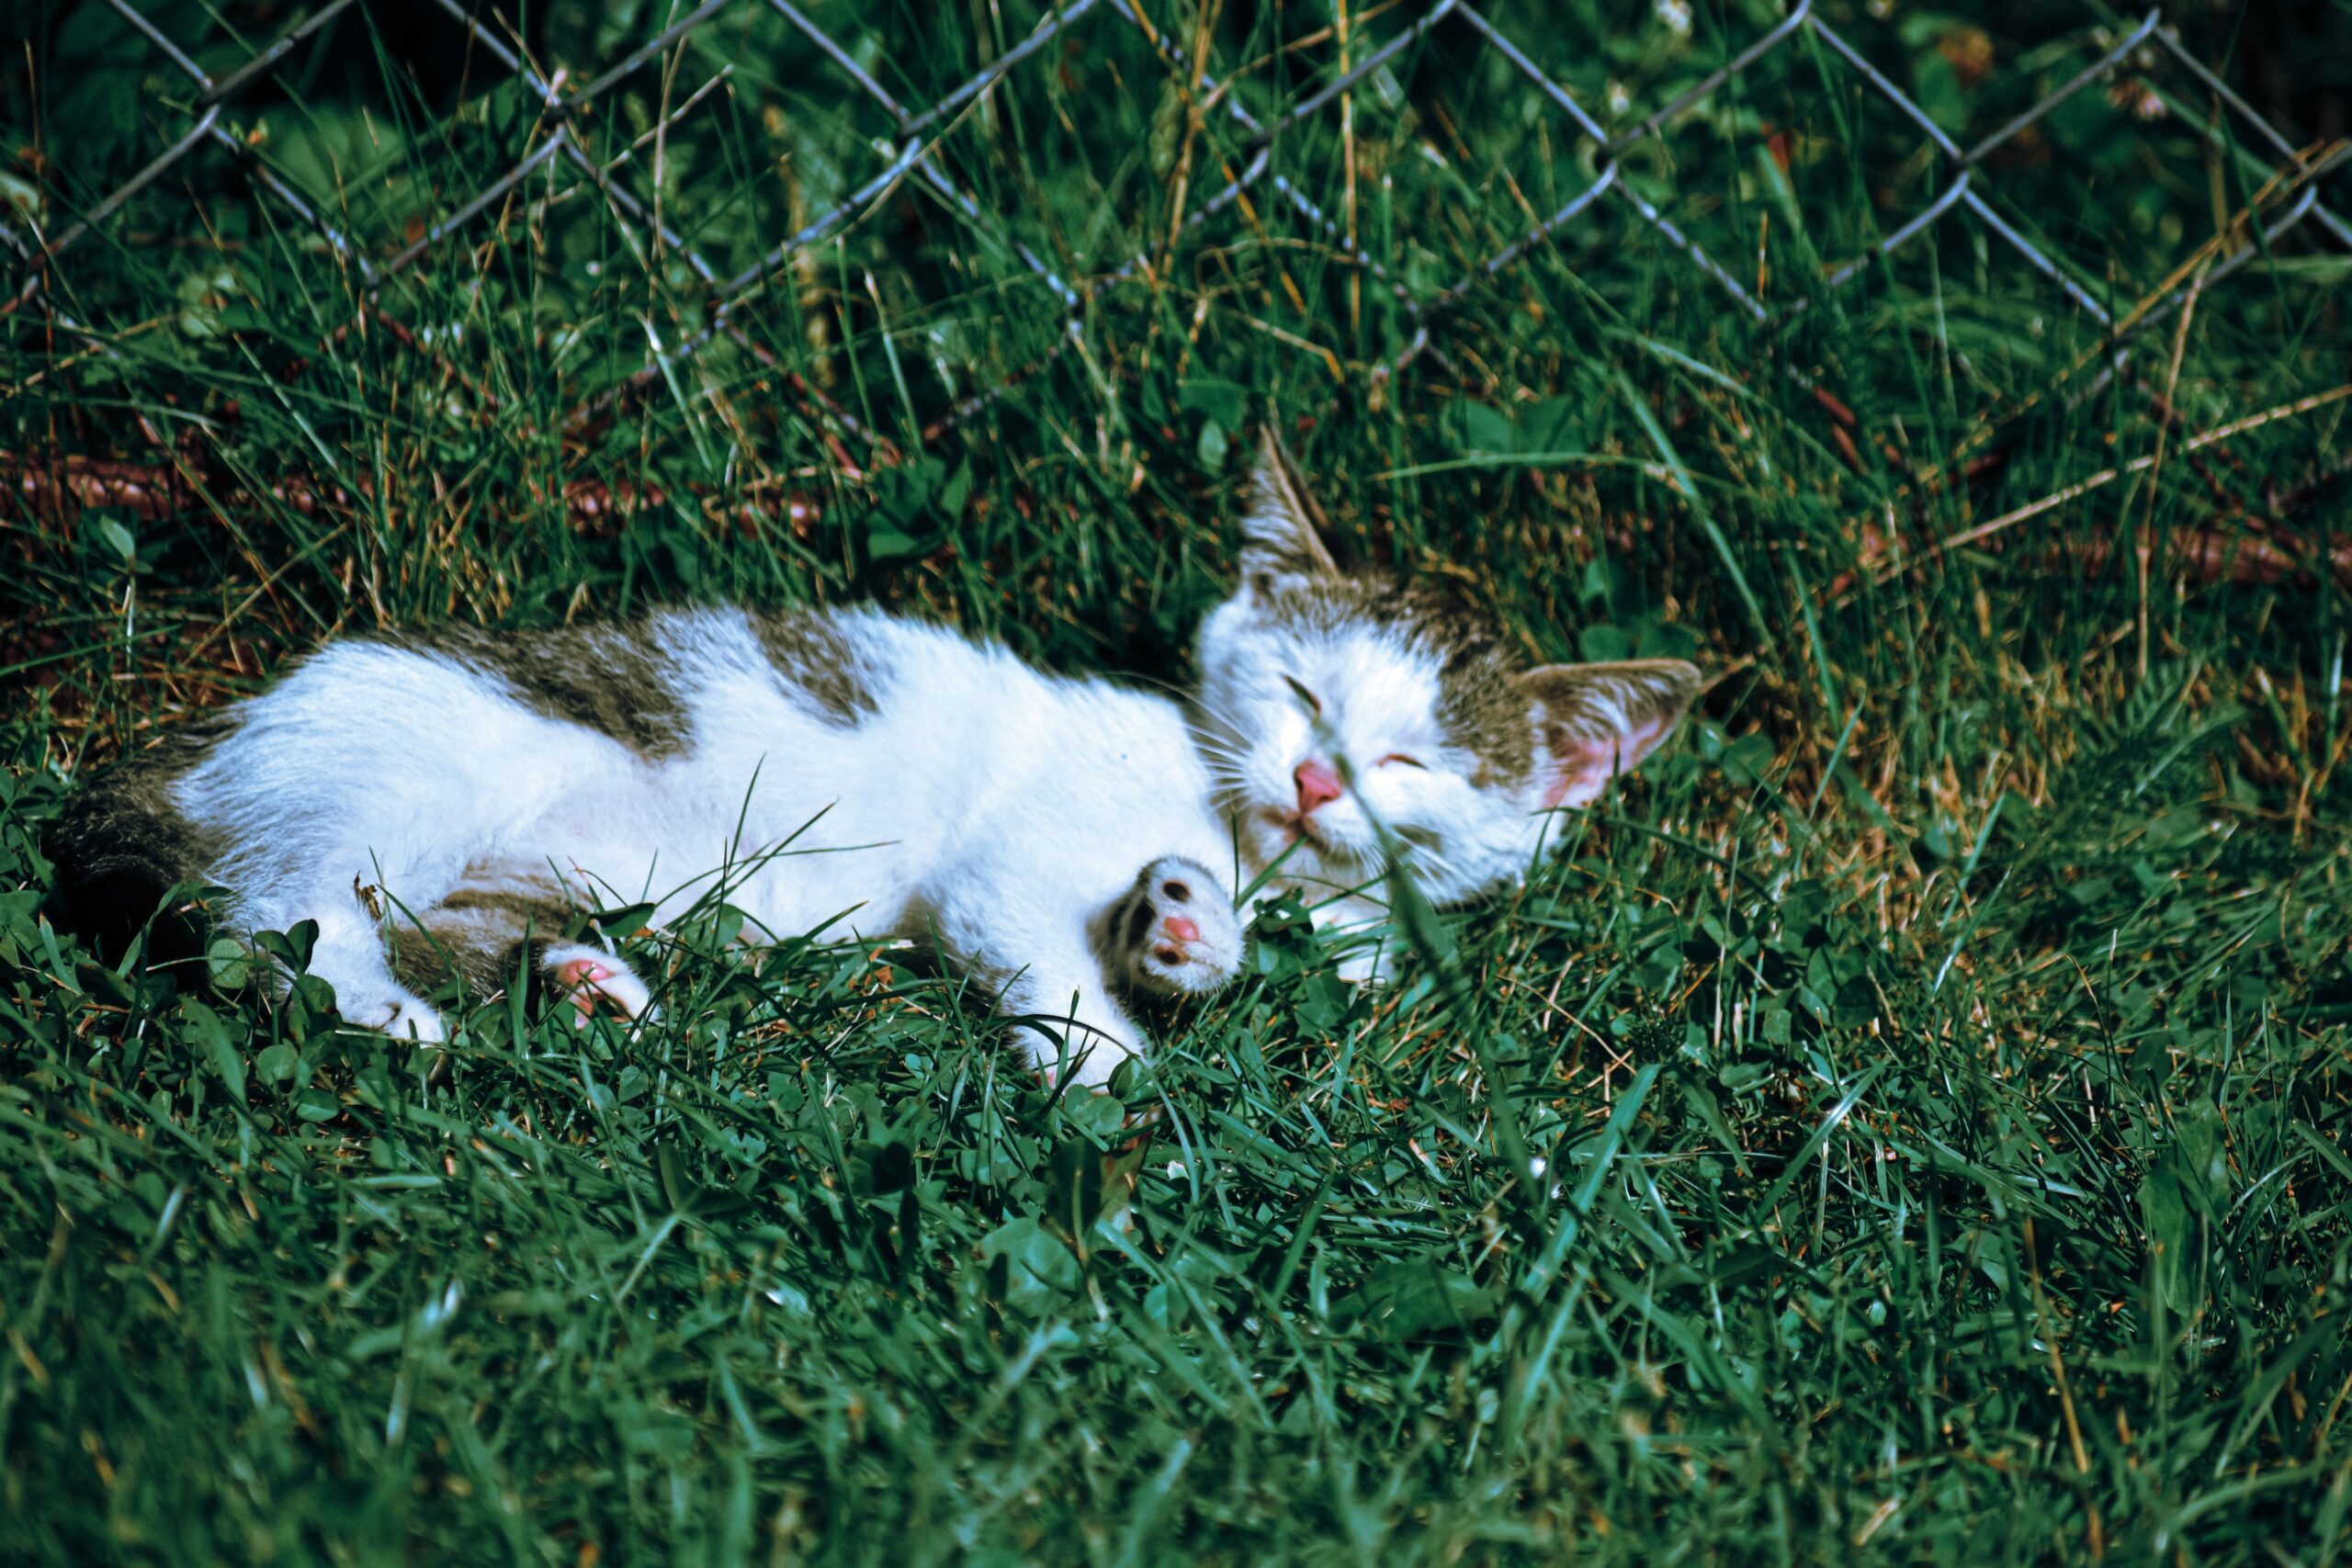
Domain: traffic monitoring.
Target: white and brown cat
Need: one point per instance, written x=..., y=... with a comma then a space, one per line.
x=441, y=803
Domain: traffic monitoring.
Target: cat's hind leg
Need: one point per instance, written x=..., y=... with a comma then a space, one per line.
x=502, y=923
x=1174, y=933
x=348, y=955
x=596, y=979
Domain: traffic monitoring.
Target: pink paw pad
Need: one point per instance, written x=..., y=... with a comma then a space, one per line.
x=579, y=979
x=591, y=984
x=1176, y=930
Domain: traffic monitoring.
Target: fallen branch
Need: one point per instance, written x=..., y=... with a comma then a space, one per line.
x=60, y=489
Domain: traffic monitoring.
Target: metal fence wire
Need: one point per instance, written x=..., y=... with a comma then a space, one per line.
x=1621, y=164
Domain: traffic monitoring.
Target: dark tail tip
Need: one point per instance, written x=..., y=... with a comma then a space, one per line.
x=122, y=846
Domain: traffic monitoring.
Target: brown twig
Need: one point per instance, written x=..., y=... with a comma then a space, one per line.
x=2220, y=547
x=64, y=488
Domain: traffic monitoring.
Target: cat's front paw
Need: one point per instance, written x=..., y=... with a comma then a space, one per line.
x=1175, y=933
x=594, y=980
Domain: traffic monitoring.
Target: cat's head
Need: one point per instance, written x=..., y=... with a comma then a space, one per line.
x=1334, y=699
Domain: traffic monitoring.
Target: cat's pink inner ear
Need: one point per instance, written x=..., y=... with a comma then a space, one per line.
x=1600, y=720
x=1584, y=764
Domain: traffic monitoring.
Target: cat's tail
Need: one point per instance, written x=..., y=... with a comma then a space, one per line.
x=122, y=844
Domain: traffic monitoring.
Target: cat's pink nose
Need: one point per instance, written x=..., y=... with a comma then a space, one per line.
x=1316, y=784
x=1181, y=927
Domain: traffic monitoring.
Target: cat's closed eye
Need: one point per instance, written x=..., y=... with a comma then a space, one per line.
x=1401, y=760
x=1314, y=703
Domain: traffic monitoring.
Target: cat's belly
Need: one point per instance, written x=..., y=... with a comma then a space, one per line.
x=790, y=860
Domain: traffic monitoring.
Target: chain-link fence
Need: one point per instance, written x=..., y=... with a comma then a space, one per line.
x=1245, y=154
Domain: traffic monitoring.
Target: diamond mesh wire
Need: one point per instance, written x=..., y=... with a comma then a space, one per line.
x=2290, y=184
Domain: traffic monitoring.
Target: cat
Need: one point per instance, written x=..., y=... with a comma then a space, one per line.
x=444, y=803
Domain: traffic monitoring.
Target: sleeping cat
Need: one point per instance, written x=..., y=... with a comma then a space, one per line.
x=442, y=803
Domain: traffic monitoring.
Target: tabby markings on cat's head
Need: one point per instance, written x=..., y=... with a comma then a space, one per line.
x=1335, y=701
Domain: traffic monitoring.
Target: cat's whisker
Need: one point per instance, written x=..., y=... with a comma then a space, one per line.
x=1214, y=747
x=1221, y=742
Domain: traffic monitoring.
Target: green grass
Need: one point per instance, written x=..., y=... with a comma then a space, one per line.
x=1937, y=1063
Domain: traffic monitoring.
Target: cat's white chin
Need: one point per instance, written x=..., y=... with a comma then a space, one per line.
x=1308, y=854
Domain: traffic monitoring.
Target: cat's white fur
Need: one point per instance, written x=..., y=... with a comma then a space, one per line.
x=983, y=802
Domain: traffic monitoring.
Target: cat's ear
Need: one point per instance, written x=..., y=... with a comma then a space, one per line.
x=1600, y=720
x=1280, y=534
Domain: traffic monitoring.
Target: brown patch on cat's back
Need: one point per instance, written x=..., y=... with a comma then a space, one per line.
x=611, y=678
x=815, y=661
